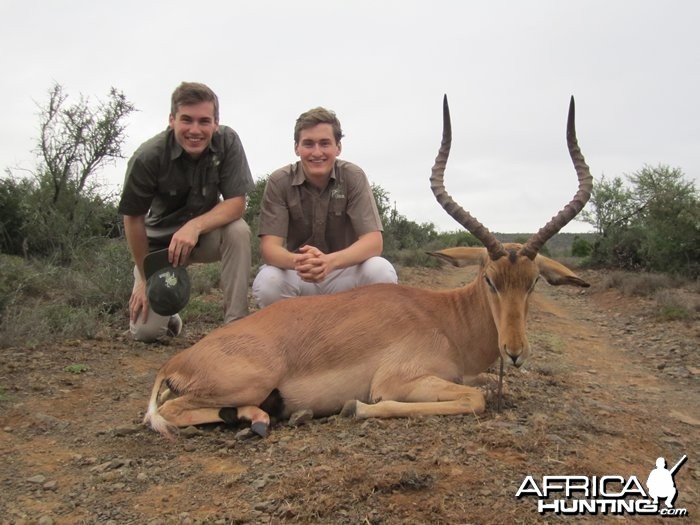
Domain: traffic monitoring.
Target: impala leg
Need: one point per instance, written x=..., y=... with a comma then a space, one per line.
x=181, y=412
x=424, y=396
x=489, y=384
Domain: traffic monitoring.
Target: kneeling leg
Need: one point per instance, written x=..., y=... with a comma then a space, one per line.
x=423, y=396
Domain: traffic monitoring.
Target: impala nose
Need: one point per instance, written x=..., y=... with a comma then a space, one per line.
x=516, y=359
x=517, y=352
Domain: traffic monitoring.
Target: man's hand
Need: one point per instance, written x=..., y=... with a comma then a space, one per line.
x=312, y=265
x=181, y=245
x=138, y=303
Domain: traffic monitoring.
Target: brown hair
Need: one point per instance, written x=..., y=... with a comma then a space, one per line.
x=316, y=116
x=189, y=93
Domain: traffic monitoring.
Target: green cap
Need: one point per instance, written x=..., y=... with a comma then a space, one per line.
x=167, y=287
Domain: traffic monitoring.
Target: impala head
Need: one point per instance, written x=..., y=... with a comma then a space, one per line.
x=509, y=272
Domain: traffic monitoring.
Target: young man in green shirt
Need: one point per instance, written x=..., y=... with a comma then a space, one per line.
x=185, y=190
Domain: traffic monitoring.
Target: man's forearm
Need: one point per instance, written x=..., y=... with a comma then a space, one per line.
x=369, y=245
x=275, y=254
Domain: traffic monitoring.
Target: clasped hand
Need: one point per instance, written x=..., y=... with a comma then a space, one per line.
x=312, y=265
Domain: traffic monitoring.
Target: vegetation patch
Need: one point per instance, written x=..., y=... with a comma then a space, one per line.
x=675, y=305
x=640, y=284
x=204, y=277
x=200, y=309
x=76, y=368
x=546, y=342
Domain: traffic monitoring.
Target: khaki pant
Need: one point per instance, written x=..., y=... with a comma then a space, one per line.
x=229, y=244
x=272, y=283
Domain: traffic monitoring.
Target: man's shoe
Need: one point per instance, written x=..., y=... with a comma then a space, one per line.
x=174, y=326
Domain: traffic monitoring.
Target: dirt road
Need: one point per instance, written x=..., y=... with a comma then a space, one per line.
x=608, y=389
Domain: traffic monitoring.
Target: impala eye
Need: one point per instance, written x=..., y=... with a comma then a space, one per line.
x=490, y=283
x=533, y=284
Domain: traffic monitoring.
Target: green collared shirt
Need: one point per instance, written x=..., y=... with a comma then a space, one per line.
x=170, y=188
x=330, y=219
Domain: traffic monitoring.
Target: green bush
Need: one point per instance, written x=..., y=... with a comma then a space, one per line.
x=654, y=225
x=44, y=302
x=580, y=247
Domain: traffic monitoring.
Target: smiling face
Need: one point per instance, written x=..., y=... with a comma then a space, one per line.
x=194, y=125
x=317, y=149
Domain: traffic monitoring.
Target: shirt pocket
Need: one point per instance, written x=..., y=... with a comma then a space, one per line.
x=296, y=210
x=338, y=205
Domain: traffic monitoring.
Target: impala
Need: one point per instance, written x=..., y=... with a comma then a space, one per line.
x=378, y=351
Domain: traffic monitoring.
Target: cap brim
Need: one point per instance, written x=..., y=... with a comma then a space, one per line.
x=154, y=261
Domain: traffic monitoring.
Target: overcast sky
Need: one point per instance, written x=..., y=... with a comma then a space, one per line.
x=508, y=68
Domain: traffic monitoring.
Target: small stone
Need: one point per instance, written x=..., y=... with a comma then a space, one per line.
x=125, y=431
x=245, y=434
x=300, y=417
x=37, y=479
x=189, y=432
x=259, y=483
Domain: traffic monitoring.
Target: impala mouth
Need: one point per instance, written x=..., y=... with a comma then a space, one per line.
x=516, y=360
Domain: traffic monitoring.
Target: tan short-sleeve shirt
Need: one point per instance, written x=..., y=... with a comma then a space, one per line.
x=330, y=220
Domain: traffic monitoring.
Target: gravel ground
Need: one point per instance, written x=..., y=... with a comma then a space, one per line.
x=607, y=390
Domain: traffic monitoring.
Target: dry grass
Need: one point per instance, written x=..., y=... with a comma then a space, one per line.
x=640, y=284
x=675, y=298
x=677, y=304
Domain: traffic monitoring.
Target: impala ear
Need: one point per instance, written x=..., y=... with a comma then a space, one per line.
x=461, y=256
x=557, y=274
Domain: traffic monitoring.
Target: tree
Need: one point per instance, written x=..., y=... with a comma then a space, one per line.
x=381, y=197
x=652, y=224
x=611, y=206
x=65, y=203
x=669, y=219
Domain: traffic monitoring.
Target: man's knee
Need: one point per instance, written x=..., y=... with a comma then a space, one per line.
x=155, y=327
x=236, y=233
x=267, y=285
x=377, y=270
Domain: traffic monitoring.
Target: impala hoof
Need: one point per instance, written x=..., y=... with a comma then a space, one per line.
x=259, y=428
x=349, y=409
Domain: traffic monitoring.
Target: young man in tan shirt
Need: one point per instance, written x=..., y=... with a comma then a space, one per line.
x=320, y=230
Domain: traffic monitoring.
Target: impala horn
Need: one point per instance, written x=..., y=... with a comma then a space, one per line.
x=493, y=246
x=454, y=210
x=585, y=186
